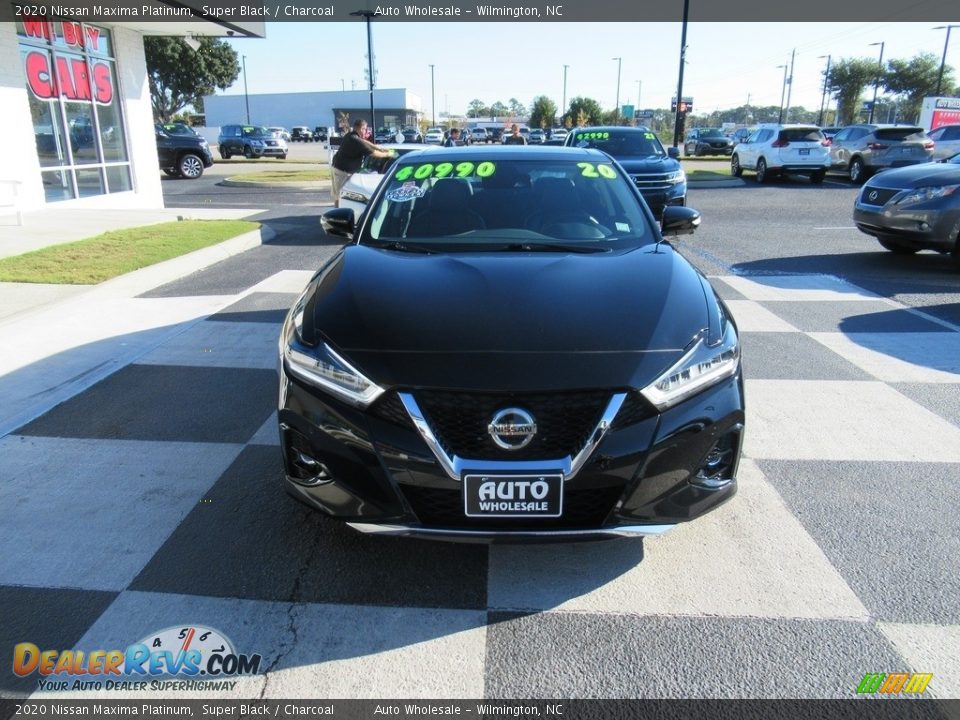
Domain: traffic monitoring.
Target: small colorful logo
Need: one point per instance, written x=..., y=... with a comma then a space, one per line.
x=894, y=683
x=191, y=651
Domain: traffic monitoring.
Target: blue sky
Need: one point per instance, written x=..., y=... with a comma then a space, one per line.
x=726, y=62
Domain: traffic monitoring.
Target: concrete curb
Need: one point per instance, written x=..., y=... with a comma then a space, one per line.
x=302, y=185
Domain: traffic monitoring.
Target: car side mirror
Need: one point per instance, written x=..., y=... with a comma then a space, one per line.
x=673, y=152
x=338, y=222
x=679, y=220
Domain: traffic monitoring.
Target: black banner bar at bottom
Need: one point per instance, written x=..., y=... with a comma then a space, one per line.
x=494, y=709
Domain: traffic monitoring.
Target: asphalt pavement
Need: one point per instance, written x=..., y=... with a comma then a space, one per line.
x=153, y=497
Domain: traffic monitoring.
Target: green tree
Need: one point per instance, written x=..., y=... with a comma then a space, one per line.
x=847, y=79
x=590, y=109
x=477, y=108
x=516, y=108
x=180, y=76
x=498, y=109
x=914, y=79
x=543, y=112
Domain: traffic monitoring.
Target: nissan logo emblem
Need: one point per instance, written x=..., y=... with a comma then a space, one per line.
x=873, y=195
x=512, y=428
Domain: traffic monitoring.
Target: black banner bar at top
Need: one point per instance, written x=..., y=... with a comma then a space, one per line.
x=542, y=11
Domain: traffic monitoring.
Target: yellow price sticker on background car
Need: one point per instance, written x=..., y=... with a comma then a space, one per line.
x=445, y=169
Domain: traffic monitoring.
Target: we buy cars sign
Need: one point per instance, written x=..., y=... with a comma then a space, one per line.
x=68, y=76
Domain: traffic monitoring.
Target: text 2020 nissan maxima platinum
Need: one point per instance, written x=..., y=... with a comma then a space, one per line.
x=507, y=349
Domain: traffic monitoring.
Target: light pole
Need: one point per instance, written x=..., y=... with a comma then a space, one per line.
x=433, y=100
x=369, y=14
x=823, y=95
x=876, y=83
x=783, y=92
x=619, y=63
x=564, y=106
x=246, y=95
x=944, y=59
x=793, y=57
x=683, y=59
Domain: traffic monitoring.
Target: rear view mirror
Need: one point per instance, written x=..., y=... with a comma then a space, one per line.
x=679, y=220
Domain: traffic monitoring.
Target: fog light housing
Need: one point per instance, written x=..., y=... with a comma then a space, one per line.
x=301, y=465
x=720, y=463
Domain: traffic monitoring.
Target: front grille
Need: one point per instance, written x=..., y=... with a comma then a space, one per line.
x=657, y=181
x=564, y=422
x=444, y=508
x=882, y=195
x=634, y=409
x=389, y=408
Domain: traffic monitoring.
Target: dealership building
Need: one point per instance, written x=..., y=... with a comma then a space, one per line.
x=393, y=108
x=77, y=117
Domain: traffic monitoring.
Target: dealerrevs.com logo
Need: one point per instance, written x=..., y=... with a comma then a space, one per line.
x=202, y=656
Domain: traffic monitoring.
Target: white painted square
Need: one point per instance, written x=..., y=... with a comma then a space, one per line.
x=220, y=344
x=285, y=281
x=311, y=650
x=753, y=317
x=800, y=288
x=91, y=513
x=749, y=558
x=900, y=357
x=843, y=420
x=929, y=649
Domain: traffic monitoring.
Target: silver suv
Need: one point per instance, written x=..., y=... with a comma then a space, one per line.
x=862, y=150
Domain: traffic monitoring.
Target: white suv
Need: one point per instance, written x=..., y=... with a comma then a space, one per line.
x=773, y=150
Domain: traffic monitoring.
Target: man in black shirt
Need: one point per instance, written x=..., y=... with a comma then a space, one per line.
x=453, y=139
x=347, y=160
x=515, y=138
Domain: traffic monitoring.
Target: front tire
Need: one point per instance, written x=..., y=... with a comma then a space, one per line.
x=763, y=175
x=226, y=154
x=735, y=169
x=248, y=153
x=817, y=177
x=281, y=157
x=171, y=173
x=190, y=166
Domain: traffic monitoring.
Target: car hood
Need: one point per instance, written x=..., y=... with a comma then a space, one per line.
x=922, y=175
x=364, y=183
x=510, y=321
x=647, y=164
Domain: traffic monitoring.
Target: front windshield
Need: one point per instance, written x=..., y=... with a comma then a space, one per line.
x=712, y=133
x=521, y=204
x=251, y=131
x=619, y=143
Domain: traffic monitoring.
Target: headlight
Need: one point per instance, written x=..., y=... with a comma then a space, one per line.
x=354, y=196
x=928, y=193
x=700, y=368
x=675, y=178
x=322, y=367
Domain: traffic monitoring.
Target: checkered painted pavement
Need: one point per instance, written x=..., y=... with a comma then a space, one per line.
x=154, y=499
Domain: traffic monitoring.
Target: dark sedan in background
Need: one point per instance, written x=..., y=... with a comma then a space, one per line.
x=707, y=141
x=656, y=172
x=913, y=208
x=507, y=349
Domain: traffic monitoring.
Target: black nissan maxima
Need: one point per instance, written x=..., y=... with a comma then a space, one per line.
x=508, y=349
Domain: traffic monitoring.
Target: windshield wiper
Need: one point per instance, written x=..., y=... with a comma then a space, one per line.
x=405, y=247
x=554, y=247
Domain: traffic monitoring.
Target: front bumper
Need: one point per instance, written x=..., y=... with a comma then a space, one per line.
x=373, y=469
x=922, y=225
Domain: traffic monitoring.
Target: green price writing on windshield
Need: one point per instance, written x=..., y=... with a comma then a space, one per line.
x=593, y=136
x=589, y=170
x=445, y=169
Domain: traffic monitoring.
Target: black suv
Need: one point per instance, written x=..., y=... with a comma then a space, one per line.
x=707, y=141
x=656, y=172
x=182, y=155
x=250, y=141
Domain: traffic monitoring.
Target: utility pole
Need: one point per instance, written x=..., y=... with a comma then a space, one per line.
x=246, y=95
x=683, y=59
x=943, y=60
x=563, y=107
x=369, y=15
x=793, y=57
x=876, y=83
x=783, y=91
x=433, y=100
x=823, y=96
x=619, y=63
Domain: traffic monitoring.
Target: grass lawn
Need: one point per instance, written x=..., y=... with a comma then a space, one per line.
x=280, y=175
x=720, y=173
x=93, y=260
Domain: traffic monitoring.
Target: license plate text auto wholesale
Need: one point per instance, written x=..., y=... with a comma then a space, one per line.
x=513, y=495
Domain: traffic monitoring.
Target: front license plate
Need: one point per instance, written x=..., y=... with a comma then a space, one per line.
x=804, y=151
x=505, y=496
